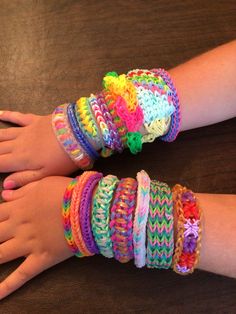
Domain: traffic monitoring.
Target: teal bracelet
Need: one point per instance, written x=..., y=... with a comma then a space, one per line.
x=160, y=232
x=101, y=214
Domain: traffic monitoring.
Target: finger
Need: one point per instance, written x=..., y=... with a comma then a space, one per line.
x=15, y=117
x=8, y=163
x=22, y=178
x=31, y=267
x=11, y=250
x=4, y=211
x=12, y=195
x=9, y=134
x=5, y=147
x=6, y=231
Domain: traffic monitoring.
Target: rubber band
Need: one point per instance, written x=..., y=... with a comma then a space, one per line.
x=66, y=218
x=140, y=219
x=121, y=223
x=75, y=213
x=102, y=202
x=66, y=139
x=176, y=117
x=160, y=230
x=189, y=229
x=85, y=209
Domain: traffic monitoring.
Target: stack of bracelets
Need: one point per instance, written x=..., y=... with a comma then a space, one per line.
x=133, y=219
x=131, y=110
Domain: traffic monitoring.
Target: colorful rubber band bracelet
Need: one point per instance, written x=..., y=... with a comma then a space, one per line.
x=102, y=202
x=85, y=212
x=66, y=205
x=66, y=138
x=176, y=117
x=121, y=222
x=189, y=230
x=140, y=218
x=160, y=229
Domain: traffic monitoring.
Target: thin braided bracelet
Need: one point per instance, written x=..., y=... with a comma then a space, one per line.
x=176, y=117
x=66, y=205
x=66, y=138
x=86, y=120
x=121, y=223
x=79, y=134
x=121, y=127
x=75, y=213
x=85, y=212
x=102, y=125
x=116, y=141
x=140, y=219
x=189, y=229
x=160, y=227
x=100, y=214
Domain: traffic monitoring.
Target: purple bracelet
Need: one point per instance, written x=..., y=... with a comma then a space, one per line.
x=176, y=117
x=85, y=212
x=116, y=143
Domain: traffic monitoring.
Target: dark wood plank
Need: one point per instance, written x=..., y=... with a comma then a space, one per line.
x=56, y=51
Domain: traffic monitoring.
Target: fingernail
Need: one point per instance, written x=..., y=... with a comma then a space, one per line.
x=6, y=193
x=9, y=184
x=1, y=112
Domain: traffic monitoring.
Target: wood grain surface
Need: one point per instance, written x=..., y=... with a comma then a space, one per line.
x=56, y=51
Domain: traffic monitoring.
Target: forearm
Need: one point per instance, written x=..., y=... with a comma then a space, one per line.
x=218, y=251
x=206, y=86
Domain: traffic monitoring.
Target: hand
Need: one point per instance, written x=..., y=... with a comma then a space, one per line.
x=27, y=231
x=31, y=151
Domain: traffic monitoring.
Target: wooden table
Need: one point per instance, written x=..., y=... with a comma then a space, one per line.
x=52, y=52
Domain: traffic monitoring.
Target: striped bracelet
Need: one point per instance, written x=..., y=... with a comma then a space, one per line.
x=101, y=214
x=66, y=206
x=140, y=218
x=160, y=227
x=121, y=223
x=85, y=212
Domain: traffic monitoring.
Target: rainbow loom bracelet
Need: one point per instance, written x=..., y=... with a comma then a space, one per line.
x=121, y=223
x=189, y=229
x=79, y=134
x=140, y=218
x=102, y=125
x=176, y=117
x=85, y=212
x=116, y=141
x=120, y=125
x=154, y=97
x=75, y=213
x=66, y=218
x=86, y=120
x=160, y=230
x=67, y=140
x=100, y=214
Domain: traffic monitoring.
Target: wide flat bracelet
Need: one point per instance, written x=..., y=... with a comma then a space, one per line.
x=66, y=138
x=189, y=229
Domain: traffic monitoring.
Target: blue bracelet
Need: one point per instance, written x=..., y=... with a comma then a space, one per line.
x=79, y=134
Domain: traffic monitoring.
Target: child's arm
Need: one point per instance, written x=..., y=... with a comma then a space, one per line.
x=28, y=232
x=218, y=252
x=206, y=87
